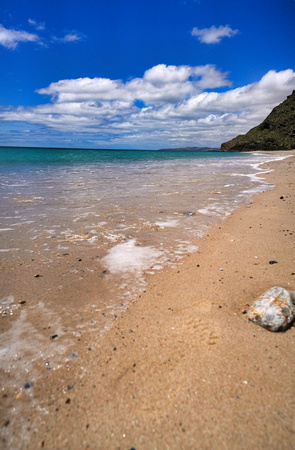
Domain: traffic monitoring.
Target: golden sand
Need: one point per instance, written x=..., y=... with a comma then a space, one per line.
x=183, y=368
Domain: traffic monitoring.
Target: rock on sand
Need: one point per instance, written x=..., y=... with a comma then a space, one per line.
x=273, y=310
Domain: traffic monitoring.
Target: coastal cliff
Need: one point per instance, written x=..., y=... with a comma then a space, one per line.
x=276, y=132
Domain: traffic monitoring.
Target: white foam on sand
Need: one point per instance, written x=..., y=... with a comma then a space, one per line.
x=169, y=223
x=23, y=344
x=22, y=349
x=129, y=258
x=7, y=305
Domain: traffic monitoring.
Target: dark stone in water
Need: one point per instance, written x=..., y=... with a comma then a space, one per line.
x=54, y=336
x=189, y=213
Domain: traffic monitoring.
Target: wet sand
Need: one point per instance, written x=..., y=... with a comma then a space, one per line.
x=181, y=367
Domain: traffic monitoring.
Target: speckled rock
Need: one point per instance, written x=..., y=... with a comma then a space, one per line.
x=273, y=310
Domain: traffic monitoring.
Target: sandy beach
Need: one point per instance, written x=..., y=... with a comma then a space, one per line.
x=182, y=367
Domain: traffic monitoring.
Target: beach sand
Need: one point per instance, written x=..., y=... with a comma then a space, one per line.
x=182, y=367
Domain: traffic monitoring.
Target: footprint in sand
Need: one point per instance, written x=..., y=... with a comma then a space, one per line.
x=207, y=336
x=213, y=338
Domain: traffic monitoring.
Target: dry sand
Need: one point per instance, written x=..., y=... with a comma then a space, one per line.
x=183, y=368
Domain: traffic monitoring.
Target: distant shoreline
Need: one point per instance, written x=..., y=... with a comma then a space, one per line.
x=178, y=149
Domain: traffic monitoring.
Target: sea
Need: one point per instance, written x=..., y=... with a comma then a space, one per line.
x=124, y=215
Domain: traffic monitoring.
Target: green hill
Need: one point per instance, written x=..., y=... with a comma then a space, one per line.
x=276, y=132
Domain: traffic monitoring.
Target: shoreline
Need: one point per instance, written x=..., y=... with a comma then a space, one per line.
x=182, y=367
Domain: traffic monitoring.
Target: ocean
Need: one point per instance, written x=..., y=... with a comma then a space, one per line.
x=81, y=230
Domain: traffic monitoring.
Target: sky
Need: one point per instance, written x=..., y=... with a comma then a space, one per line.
x=141, y=74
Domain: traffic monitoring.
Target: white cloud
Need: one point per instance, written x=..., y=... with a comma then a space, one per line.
x=213, y=35
x=69, y=37
x=37, y=25
x=159, y=85
x=175, y=107
x=11, y=38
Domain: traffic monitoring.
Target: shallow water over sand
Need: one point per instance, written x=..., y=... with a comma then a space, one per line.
x=78, y=239
x=133, y=215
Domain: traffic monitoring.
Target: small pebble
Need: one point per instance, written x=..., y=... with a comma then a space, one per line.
x=28, y=385
x=54, y=336
x=189, y=213
x=273, y=262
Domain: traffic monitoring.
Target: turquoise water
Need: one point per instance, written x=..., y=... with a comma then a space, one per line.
x=43, y=156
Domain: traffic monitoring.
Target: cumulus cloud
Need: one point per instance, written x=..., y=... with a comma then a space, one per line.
x=168, y=106
x=11, y=38
x=213, y=35
x=159, y=85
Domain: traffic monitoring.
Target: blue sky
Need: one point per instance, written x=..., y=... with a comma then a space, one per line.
x=143, y=74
